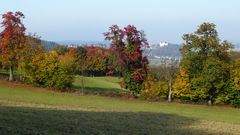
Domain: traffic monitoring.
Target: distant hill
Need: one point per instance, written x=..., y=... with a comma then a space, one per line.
x=163, y=53
x=170, y=50
x=236, y=47
x=81, y=43
x=49, y=45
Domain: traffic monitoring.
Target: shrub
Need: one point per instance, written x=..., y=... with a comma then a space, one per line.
x=154, y=90
x=49, y=70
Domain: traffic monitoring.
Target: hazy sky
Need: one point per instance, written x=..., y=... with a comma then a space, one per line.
x=162, y=20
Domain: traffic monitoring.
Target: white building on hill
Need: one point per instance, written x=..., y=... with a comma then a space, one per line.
x=162, y=44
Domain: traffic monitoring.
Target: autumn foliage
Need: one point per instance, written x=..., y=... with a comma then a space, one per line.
x=206, y=70
x=206, y=73
x=50, y=70
x=12, y=43
x=127, y=44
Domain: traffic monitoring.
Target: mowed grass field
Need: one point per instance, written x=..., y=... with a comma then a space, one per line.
x=25, y=110
x=98, y=84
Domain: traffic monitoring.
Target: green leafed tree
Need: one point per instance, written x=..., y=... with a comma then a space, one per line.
x=206, y=60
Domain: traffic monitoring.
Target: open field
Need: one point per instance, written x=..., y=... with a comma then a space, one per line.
x=27, y=110
x=98, y=84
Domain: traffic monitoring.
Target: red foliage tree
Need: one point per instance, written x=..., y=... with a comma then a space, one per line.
x=12, y=40
x=127, y=44
x=96, y=60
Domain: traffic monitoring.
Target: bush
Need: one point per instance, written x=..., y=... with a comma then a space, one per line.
x=49, y=70
x=236, y=101
x=154, y=90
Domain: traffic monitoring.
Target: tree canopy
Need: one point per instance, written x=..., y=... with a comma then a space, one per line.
x=205, y=63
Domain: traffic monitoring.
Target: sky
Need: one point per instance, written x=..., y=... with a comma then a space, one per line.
x=162, y=20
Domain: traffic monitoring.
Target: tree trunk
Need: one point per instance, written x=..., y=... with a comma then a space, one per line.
x=170, y=91
x=82, y=76
x=82, y=81
x=10, y=73
x=210, y=100
x=21, y=77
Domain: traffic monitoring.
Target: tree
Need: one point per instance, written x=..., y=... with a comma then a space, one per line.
x=234, y=94
x=127, y=44
x=206, y=61
x=167, y=74
x=50, y=70
x=61, y=50
x=69, y=60
x=112, y=65
x=236, y=74
x=82, y=54
x=11, y=36
x=32, y=48
x=182, y=85
x=96, y=60
x=12, y=40
x=153, y=88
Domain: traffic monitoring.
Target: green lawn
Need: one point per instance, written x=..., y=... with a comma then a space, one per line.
x=98, y=84
x=38, y=111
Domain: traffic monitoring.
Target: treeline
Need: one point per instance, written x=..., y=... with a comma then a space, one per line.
x=58, y=67
x=26, y=55
x=92, y=60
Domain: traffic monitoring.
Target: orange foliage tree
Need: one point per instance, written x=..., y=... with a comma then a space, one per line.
x=96, y=60
x=12, y=40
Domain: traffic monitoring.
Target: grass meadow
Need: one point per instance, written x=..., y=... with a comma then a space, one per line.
x=39, y=111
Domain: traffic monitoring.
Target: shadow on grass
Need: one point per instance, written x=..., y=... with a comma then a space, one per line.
x=35, y=121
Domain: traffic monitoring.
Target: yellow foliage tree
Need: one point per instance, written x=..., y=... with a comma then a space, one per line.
x=236, y=75
x=154, y=90
x=181, y=87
